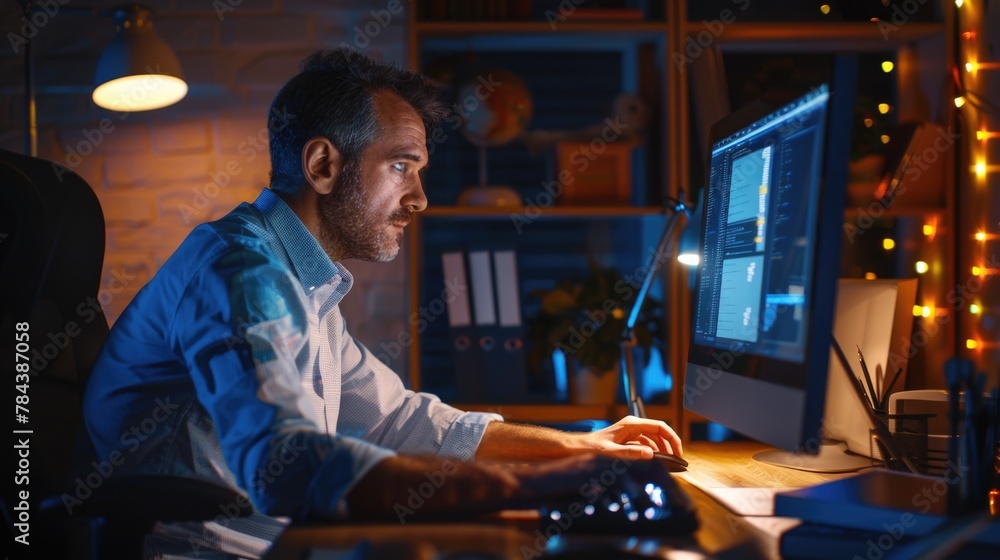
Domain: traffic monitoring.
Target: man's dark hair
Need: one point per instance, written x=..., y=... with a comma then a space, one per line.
x=333, y=96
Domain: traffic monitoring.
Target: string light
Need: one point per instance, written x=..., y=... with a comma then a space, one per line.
x=869, y=122
x=971, y=344
x=825, y=9
x=870, y=276
x=959, y=101
x=970, y=67
x=977, y=271
x=980, y=135
x=883, y=108
x=980, y=236
x=921, y=267
x=887, y=66
x=980, y=168
x=975, y=309
x=958, y=3
x=884, y=138
x=888, y=244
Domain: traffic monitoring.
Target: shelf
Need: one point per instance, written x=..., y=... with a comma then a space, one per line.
x=857, y=210
x=459, y=212
x=818, y=36
x=465, y=28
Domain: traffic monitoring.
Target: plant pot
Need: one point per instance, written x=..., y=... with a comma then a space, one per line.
x=588, y=385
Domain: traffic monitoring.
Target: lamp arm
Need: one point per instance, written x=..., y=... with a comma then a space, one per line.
x=628, y=341
x=30, y=113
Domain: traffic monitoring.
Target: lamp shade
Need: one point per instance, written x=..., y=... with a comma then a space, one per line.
x=689, y=244
x=137, y=71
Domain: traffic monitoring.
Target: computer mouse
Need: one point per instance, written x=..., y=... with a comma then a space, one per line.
x=673, y=463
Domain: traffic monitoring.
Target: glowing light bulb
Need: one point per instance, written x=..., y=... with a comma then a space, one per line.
x=888, y=244
x=980, y=236
x=928, y=230
x=959, y=101
x=958, y=3
x=825, y=9
x=975, y=309
x=971, y=344
x=980, y=135
x=884, y=138
x=689, y=259
x=921, y=267
x=970, y=67
x=926, y=311
x=976, y=271
x=980, y=169
x=918, y=310
x=869, y=122
x=883, y=108
x=870, y=276
x=887, y=66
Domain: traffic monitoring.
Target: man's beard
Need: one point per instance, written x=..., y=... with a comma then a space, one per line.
x=350, y=228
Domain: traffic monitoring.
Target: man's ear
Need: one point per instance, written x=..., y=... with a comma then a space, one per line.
x=321, y=164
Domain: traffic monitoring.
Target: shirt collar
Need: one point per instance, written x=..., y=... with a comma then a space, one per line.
x=307, y=259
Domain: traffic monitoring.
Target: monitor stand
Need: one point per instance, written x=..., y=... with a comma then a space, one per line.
x=832, y=457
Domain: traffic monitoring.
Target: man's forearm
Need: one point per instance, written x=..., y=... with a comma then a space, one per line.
x=629, y=438
x=504, y=441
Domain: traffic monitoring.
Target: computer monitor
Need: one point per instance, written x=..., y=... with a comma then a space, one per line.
x=766, y=285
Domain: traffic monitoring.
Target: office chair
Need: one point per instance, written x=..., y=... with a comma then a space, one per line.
x=51, y=258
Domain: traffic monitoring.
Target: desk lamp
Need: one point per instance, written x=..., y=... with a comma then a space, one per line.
x=137, y=71
x=677, y=208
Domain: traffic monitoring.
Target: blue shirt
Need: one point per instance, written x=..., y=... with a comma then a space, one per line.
x=234, y=363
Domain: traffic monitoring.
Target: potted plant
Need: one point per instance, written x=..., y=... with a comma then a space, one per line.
x=585, y=319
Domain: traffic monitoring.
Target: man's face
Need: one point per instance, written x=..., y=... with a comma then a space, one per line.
x=375, y=196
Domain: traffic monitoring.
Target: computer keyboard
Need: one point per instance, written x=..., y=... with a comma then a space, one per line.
x=629, y=497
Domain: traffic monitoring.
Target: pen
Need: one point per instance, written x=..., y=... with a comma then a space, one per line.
x=868, y=377
x=888, y=388
x=880, y=396
x=860, y=387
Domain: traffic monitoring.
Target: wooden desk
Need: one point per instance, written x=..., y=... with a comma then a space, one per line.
x=730, y=466
x=512, y=534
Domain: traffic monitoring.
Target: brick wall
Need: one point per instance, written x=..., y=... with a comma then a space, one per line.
x=160, y=173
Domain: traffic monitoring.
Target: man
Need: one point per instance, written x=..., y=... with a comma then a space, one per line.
x=234, y=362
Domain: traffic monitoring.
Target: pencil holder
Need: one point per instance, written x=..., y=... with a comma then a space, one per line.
x=910, y=433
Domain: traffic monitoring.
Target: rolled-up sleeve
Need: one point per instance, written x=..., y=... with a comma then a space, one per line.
x=377, y=406
x=241, y=328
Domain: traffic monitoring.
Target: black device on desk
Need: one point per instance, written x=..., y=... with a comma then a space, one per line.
x=629, y=498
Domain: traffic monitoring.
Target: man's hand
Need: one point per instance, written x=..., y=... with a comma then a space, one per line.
x=634, y=438
x=629, y=438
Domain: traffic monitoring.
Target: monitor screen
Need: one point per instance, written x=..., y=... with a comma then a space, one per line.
x=770, y=239
x=760, y=210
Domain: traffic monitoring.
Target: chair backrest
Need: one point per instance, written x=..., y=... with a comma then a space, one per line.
x=51, y=257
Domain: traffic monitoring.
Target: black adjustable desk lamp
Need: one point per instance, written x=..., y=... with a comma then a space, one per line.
x=628, y=342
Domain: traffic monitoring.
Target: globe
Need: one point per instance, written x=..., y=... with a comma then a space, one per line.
x=496, y=106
